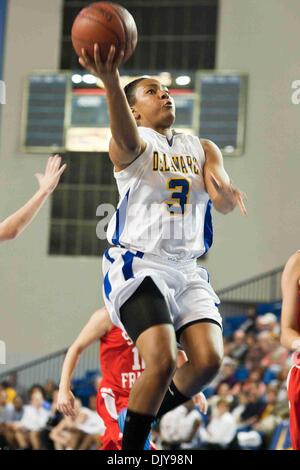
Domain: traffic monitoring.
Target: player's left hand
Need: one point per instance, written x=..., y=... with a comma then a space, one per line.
x=66, y=403
x=230, y=193
x=49, y=180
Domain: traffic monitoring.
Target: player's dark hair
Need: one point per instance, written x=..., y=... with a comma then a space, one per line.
x=129, y=90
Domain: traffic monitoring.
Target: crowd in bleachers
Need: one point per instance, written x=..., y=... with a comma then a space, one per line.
x=30, y=420
x=247, y=401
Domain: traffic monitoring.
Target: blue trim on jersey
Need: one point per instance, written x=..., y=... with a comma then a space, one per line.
x=208, y=229
x=120, y=219
x=170, y=142
x=107, y=256
x=128, y=260
x=107, y=286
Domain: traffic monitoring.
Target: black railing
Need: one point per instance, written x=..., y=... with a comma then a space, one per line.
x=259, y=289
x=49, y=367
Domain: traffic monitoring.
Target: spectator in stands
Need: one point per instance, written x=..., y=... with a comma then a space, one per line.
x=242, y=400
x=239, y=346
x=269, y=418
x=255, y=382
x=256, y=352
x=253, y=408
x=10, y=391
x=14, y=416
x=33, y=420
x=221, y=430
x=268, y=322
x=249, y=326
x=39, y=388
x=222, y=392
x=276, y=355
x=12, y=379
x=54, y=418
x=91, y=426
x=179, y=426
x=5, y=414
x=49, y=389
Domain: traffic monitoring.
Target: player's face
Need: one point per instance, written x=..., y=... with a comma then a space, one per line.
x=153, y=104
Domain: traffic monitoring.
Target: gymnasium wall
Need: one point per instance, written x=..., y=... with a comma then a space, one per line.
x=261, y=38
x=44, y=301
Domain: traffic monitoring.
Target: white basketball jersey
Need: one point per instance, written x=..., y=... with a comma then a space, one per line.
x=164, y=208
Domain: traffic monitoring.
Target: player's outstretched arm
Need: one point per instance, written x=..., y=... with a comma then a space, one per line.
x=98, y=325
x=11, y=227
x=290, y=328
x=222, y=193
x=126, y=144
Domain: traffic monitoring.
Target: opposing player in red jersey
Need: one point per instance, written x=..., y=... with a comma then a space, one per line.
x=121, y=365
x=290, y=338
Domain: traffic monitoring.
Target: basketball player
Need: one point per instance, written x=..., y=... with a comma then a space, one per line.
x=13, y=225
x=120, y=364
x=152, y=285
x=290, y=338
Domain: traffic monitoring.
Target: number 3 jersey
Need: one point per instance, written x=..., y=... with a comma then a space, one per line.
x=164, y=208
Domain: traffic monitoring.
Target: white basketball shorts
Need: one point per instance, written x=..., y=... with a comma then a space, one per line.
x=184, y=285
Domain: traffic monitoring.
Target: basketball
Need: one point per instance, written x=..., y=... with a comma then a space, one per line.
x=105, y=24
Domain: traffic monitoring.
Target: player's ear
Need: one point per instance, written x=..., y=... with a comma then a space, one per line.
x=136, y=114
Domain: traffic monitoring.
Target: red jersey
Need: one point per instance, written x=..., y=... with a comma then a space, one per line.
x=120, y=361
x=121, y=365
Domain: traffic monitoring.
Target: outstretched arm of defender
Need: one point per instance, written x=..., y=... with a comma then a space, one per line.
x=126, y=144
x=11, y=227
x=290, y=325
x=222, y=193
x=98, y=325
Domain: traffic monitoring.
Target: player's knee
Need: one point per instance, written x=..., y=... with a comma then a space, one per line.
x=208, y=364
x=163, y=363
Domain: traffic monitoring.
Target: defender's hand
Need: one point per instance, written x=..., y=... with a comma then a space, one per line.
x=49, y=180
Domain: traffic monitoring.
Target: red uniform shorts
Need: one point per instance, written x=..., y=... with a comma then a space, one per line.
x=293, y=387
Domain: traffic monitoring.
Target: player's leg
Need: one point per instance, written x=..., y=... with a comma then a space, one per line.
x=203, y=344
x=147, y=321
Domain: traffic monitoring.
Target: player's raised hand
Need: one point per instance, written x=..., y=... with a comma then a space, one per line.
x=107, y=70
x=49, y=180
x=230, y=193
x=66, y=403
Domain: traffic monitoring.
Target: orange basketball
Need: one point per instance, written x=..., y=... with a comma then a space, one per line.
x=104, y=23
